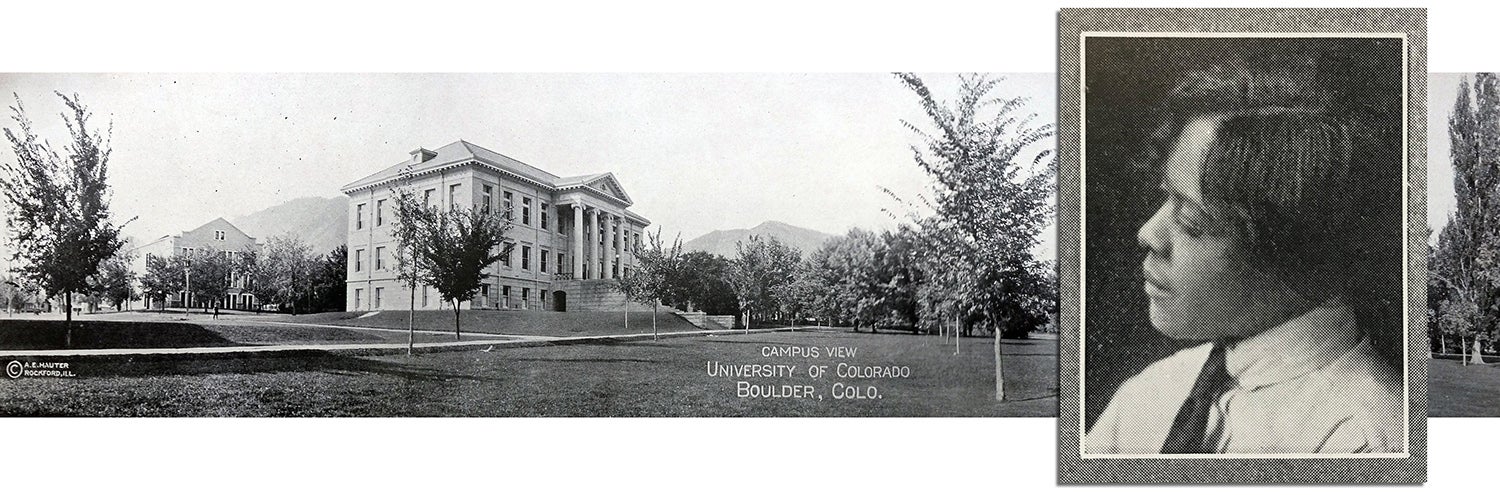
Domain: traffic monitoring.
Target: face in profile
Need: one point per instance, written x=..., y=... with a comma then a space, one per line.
x=1199, y=286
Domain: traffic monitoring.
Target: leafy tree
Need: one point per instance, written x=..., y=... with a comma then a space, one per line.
x=704, y=285
x=329, y=288
x=115, y=282
x=992, y=193
x=452, y=249
x=762, y=266
x=657, y=275
x=208, y=277
x=281, y=272
x=59, y=207
x=163, y=277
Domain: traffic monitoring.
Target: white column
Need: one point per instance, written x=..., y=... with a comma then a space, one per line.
x=577, y=241
x=593, y=245
x=619, y=225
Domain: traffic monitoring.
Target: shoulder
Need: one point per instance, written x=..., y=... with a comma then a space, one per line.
x=1365, y=395
x=1141, y=412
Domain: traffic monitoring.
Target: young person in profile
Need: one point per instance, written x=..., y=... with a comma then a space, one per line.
x=1251, y=256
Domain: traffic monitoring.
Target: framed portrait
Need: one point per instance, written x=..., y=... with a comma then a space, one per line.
x=1241, y=301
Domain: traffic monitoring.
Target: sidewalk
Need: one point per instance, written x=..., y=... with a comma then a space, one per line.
x=499, y=341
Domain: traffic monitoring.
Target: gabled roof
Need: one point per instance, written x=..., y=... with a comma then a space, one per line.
x=461, y=152
x=218, y=224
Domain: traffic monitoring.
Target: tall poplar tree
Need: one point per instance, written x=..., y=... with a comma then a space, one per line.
x=1467, y=260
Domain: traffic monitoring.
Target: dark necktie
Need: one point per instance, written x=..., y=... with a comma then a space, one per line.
x=1191, y=424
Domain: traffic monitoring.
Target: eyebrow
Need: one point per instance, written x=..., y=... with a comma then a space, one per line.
x=1194, y=206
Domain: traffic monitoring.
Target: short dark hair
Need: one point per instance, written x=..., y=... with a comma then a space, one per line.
x=1285, y=176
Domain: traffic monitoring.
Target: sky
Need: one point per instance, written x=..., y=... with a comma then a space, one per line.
x=1442, y=92
x=697, y=152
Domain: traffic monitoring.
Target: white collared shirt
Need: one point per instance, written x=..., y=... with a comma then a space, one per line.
x=1310, y=385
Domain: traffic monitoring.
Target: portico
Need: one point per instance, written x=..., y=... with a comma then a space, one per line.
x=569, y=235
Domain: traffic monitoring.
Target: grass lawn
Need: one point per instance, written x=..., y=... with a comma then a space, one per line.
x=546, y=323
x=49, y=334
x=1455, y=390
x=642, y=378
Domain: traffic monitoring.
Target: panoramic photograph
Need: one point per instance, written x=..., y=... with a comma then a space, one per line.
x=603, y=245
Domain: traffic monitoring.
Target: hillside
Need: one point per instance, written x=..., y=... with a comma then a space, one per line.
x=321, y=222
x=722, y=242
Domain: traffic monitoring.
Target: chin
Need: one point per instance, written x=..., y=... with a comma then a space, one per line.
x=1178, y=328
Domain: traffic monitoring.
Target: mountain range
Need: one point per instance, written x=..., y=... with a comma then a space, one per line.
x=723, y=242
x=321, y=222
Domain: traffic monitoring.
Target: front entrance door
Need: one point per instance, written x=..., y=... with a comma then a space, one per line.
x=559, y=301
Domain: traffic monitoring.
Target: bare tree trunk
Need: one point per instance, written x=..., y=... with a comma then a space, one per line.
x=654, y=304
x=999, y=370
x=411, y=320
x=1478, y=353
x=457, y=332
x=68, y=322
x=957, y=332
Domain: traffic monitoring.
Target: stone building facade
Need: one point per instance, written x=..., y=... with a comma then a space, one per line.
x=218, y=236
x=572, y=235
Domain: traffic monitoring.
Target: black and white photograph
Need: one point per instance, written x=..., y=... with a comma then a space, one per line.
x=1242, y=252
x=601, y=245
x=1463, y=180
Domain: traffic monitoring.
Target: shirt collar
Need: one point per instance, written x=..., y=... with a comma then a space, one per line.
x=1293, y=348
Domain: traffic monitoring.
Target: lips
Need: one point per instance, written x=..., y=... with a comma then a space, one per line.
x=1154, y=287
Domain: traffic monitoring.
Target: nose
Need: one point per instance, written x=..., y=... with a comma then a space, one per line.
x=1153, y=234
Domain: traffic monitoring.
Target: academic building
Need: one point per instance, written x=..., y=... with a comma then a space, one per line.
x=218, y=236
x=571, y=235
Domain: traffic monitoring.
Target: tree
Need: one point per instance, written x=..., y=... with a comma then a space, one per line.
x=703, y=284
x=164, y=276
x=1467, y=260
x=656, y=276
x=329, y=288
x=412, y=223
x=59, y=207
x=281, y=272
x=762, y=266
x=115, y=282
x=208, y=276
x=453, y=247
x=992, y=192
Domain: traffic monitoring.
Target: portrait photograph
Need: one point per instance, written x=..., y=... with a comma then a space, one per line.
x=1242, y=249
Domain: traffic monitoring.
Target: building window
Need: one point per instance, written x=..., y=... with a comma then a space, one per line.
x=614, y=241
x=379, y=292
x=505, y=295
x=543, y=265
x=614, y=269
x=525, y=211
x=560, y=228
x=359, y=298
x=379, y=212
x=602, y=233
x=637, y=241
x=484, y=292
x=543, y=295
x=427, y=197
x=525, y=296
x=509, y=247
x=359, y=216
x=507, y=206
x=218, y=235
x=525, y=257
x=544, y=216
x=359, y=260
x=380, y=258
x=453, y=196
x=489, y=197
x=560, y=264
